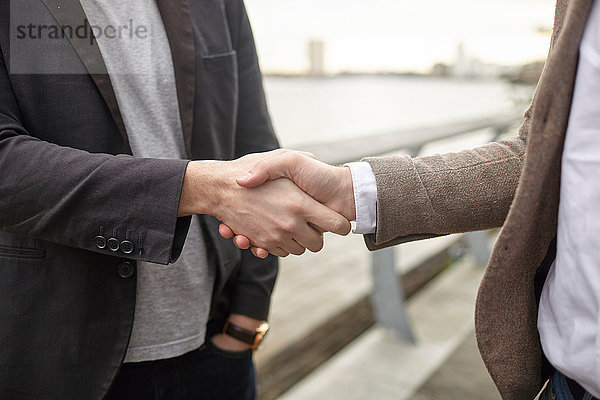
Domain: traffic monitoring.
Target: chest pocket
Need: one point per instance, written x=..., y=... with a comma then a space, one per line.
x=211, y=27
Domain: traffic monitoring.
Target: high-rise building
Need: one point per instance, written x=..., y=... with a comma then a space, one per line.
x=316, y=55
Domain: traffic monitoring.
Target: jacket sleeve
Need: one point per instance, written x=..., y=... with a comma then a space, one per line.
x=424, y=197
x=254, y=285
x=70, y=196
x=256, y=277
x=472, y=190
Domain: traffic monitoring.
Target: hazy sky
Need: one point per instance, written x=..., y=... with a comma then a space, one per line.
x=398, y=34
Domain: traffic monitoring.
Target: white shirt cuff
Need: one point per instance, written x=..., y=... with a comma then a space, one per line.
x=365, y=197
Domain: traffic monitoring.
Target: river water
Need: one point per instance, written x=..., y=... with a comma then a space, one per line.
x=323, y=110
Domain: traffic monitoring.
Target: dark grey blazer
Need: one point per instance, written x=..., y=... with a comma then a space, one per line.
x=67, y=177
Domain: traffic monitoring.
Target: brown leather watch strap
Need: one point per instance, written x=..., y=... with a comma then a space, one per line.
x=241, y=334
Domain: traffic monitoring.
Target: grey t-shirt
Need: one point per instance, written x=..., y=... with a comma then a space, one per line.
x=173, y=302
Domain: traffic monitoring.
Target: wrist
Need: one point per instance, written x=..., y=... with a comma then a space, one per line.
x=244, y=322
x=231, y=343
x=346, y=194
x=202, y=189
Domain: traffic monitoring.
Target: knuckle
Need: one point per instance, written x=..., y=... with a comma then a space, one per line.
x=258, y=165
x=295, y=206
x=288, y=226
x=281, y=152
x=339, y=226
x=298, y=204
x=262, y=241
x=277, y=237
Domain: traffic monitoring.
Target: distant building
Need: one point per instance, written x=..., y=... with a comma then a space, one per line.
x=440, y=70
x=316, y=56
x=528, y=74
x=464, y=65
x=469, y=67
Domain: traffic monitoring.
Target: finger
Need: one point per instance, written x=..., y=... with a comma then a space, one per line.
x=242, y=242
x=260, y=253
x=225, y=231
x=292, y=247
x=300, y=249
x=328, y=220
x=309, y=238
x=316, y=228
x=279, y=252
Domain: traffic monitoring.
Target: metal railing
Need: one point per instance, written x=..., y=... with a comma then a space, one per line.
x=411, y=140
x=387, y=296
x=386, y=304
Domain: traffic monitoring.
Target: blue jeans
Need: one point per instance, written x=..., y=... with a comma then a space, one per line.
x=559, y=390
x=208, y=373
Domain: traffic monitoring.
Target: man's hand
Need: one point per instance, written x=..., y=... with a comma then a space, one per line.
x=331, y=186
x=276, y=216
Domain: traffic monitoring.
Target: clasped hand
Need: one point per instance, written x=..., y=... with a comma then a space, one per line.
x=327, y=185
x=278, y=202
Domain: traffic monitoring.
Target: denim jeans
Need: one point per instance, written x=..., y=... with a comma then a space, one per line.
x=208, y=373
x=558, y=389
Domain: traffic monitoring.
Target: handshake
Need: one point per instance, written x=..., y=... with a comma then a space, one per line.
x=278, y=202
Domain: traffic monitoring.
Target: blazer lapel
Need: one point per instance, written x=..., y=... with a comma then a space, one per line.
x=71, y=13
x=178, y=25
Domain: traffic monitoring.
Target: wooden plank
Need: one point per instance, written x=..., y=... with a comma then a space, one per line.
x=284, y=369
x=463, y=376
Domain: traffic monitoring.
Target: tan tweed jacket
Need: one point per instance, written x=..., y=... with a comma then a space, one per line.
x=514, y=183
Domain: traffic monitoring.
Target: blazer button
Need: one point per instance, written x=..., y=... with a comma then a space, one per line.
x=100, y=242
x=126, y=247
x=125, y=270
x=113, y=244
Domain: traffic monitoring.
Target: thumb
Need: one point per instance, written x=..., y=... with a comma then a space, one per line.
x=269, y=169
x=253, y=178
x=308, y=154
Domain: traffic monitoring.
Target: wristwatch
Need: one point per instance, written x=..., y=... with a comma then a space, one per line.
x=253, y=338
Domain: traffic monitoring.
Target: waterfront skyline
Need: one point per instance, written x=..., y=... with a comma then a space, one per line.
x=398, y=35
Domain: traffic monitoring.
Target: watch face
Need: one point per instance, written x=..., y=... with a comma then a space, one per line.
x=263, y=328
x=261, y=332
